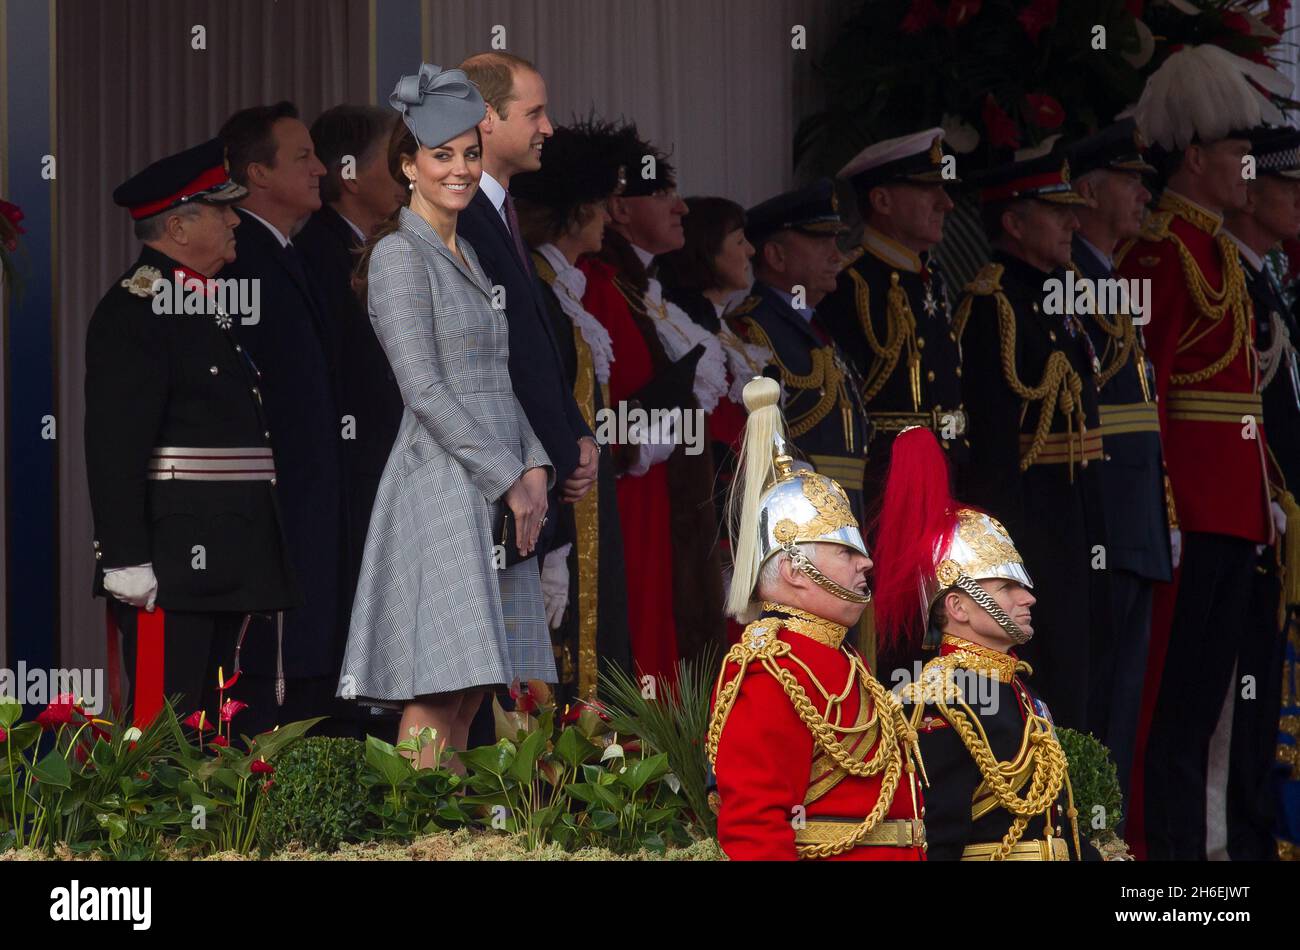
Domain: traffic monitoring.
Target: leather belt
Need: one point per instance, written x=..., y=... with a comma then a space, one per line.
x=212, y=465
x=896, y=833
x=845, y=469
x=1063, y=448
x=934, y=420
x=1054, y=849
x=1125, y=418
x=1202, y=405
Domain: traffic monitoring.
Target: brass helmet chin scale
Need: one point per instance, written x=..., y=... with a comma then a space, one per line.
x=776, y=506
x=979, y=549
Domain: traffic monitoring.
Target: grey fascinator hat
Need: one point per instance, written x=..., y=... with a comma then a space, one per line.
x=437, y=104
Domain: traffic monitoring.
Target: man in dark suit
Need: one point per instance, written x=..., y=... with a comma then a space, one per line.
x=357, y=194
x=292, y=671
x=513, y=131
x=1141, y=549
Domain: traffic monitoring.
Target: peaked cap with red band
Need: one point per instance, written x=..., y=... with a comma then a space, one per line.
x=200, y=173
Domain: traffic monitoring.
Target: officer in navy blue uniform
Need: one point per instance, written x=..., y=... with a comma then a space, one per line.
x=890, y=313
x=1269, y=217
x=1029, y=387
x=796, y=263
x=179, y=458
x=1108, y=169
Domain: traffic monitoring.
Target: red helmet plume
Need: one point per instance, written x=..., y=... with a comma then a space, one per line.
x=917, y=517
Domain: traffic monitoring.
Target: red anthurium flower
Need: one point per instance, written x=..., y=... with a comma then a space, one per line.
x=1001, y=128
x=199, y=720
x=266, y=786
x=54, y=715
x=142, y=776
x=961, y=12
x=261, y=767
x=219, y=739
x=1044, y=111
x=13, y=214
x=233, y=680
x=4, y=736
x=1038, y=16
x=230, y=708
x=921, y=15
x=525, y=702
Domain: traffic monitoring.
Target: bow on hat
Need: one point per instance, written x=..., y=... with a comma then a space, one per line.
x=431, y=80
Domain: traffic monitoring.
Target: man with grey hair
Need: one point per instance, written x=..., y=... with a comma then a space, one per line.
x=188, y=539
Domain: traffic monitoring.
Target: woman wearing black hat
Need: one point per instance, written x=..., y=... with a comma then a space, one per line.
x=562, y=216
x=438, y=616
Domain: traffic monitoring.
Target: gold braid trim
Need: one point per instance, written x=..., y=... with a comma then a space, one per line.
x=825, y=376
x=900, y=332
x=1121, y=330
x=937, y=686
x=760, y=643
x=1060, y=386
x=1213, y=305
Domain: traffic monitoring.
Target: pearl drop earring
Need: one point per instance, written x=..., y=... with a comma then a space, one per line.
x=411, y=185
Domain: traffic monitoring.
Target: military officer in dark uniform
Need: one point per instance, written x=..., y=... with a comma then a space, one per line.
x=179, y=461
x=1108, y=169
x=999, y=783
x=890, y=311
x=1029, y=387
x=796, y=263
x=1272, y=215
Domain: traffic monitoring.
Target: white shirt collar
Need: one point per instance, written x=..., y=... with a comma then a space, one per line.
x=284, y=241
x=1254, y=260
x=496, y=194
x=644, y=256
x=1096, y=251
x=355, y=230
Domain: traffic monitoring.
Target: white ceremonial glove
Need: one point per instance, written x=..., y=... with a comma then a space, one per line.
x=1176, y=546
x=555, y=584
x=1279, y=518
x=136, y=586
x=654, y=443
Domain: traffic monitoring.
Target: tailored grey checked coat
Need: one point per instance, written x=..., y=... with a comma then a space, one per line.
x=432, y=614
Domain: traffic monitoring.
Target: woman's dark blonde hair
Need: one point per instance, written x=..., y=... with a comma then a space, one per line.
x=401, y=144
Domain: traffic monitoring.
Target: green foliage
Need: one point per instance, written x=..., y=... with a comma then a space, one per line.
x=674, y=720
x=403, y=801
x=316, y=799
x=1095, y=781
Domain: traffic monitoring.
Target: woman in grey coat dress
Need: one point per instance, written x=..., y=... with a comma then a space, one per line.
x=437, y=618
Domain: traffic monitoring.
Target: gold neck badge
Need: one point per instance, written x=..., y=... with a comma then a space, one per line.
x=810, y=625
x=1002, y=666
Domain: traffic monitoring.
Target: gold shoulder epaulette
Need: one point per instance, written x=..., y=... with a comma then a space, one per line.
x=141, y=283
x=852, y=257
x=1156, y=226
x=987, y=281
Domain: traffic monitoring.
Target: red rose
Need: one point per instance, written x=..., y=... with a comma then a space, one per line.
x=261, y=767
x=920, y=16
x=1002, y=130
x=1044, y=111
x=1038, y=16
x=961, y=12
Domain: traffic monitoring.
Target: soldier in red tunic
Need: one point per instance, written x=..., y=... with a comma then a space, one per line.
x=1200, y=338
x=813, y=756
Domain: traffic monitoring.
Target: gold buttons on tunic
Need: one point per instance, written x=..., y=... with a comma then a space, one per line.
x=930, y=376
